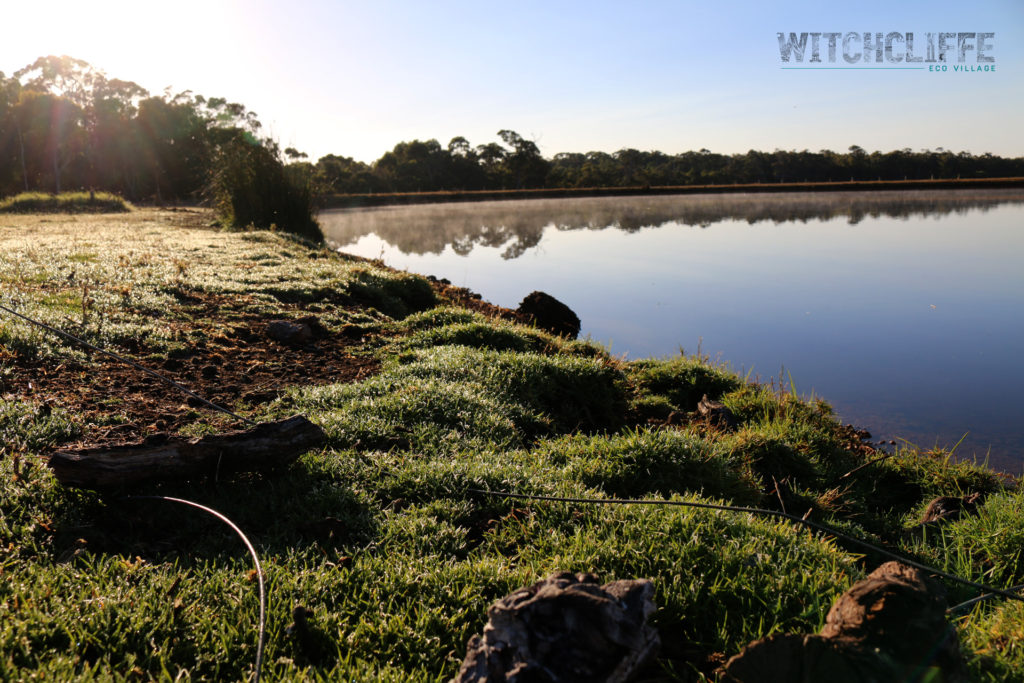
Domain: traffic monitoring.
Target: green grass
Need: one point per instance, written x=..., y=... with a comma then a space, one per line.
x=446, y=394
x=135, y=281
x=65, y=202
x=380, y=532
x=454, y=327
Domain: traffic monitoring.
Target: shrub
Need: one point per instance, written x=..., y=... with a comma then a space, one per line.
x=250, y=187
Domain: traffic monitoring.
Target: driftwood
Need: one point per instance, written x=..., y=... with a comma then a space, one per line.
x=267, y=446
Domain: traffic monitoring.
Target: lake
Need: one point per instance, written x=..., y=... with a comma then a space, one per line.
x=904, y=310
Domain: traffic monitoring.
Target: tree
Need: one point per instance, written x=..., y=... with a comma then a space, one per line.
x=465, y=172
x=50, y=138
x=113, y=136
x=492, y=161
x=417, y=166
x=526, y=166
x=10, y=156
x=176, y=145
x=71, y=79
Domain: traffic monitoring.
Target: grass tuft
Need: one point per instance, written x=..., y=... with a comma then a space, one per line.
x=681, y=381
x=65, y=202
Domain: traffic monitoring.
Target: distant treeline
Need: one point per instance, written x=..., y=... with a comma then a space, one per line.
x=419, y=166
x=65, y=125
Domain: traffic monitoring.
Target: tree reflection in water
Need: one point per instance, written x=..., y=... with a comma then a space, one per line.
x=518, y=225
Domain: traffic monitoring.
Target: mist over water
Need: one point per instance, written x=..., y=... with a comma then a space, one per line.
x=905, y=310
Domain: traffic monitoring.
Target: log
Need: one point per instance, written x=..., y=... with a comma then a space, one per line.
x=267, y=446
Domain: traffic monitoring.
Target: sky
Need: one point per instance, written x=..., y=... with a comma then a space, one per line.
x=355, y=78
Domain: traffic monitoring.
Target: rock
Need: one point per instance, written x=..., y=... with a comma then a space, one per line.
x=550, y=314
x=288, y=332
x=292, y=332
x=565, y=628
x=717, y=414
x=897, y=609
x=945, y=509
x=949, y=508
x=889, y=626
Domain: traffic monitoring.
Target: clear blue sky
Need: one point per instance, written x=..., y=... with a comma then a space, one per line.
x=354, y=78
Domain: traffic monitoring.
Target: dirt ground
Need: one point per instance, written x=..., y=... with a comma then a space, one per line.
x=239, y=367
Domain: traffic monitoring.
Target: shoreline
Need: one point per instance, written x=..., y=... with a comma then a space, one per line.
x=400, y=198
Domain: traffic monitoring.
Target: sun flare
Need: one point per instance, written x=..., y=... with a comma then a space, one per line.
x=151, y=43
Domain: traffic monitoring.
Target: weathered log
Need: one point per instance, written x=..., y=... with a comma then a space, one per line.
x=269, y=445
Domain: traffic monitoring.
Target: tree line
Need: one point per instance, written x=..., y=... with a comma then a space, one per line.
x=420, y=166
x=65, y=125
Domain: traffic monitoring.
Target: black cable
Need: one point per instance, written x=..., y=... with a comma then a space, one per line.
x=771, y=513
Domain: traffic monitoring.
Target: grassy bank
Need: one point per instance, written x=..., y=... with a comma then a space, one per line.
x=66, y=202
x=384, y=199
x=380, y=533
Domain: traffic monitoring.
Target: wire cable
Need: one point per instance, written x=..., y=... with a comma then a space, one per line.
x=771, y=513
x=256, y=560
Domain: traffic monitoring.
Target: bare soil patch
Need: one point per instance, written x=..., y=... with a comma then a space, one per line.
x=238, y=367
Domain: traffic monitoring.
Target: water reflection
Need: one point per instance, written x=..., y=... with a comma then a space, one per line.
x=905, y=310
x=517, y=226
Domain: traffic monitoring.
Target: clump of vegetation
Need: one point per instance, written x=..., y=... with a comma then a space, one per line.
x=28, y=426
x=447, y=394
x=454, y=327
x=65, y=202
x=678, y=384
x=251, y=188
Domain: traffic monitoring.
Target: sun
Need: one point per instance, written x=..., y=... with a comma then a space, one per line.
x=155, y=44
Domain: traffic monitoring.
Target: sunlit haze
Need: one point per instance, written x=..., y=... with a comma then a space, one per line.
x=354, y=78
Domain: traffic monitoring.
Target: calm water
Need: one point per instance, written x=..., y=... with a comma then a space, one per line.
x=904, y=310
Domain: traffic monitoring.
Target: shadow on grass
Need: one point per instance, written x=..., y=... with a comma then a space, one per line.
x=278, y=513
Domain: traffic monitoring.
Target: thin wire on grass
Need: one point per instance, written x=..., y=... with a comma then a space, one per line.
x=981, y=598
x=130, y=362
x=256, y=560
x=990, y=590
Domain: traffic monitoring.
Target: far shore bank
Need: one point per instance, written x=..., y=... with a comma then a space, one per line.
x=384, y=199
